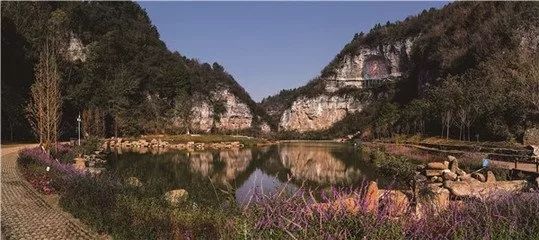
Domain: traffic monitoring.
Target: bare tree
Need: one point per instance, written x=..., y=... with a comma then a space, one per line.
x=44, y=107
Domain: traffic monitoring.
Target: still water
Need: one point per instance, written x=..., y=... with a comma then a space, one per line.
x=246, y=171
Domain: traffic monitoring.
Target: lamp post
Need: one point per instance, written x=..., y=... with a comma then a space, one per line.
x=78, y=121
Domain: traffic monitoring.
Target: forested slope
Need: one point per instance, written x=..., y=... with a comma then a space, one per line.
x=468, y=68
x=117, y=73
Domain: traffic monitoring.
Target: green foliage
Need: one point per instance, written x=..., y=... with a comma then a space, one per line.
x=88, y=146
x=398, y=168
x=128, y=73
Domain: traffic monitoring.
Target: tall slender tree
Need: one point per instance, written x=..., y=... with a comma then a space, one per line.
x=44, y=107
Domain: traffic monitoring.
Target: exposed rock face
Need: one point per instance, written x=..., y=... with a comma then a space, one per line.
x=76, y=51
x=236, y=114
x=313, y=114
x=360, y=69
x=369, y=63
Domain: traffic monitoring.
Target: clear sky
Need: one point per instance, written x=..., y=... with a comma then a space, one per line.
x=270, y=46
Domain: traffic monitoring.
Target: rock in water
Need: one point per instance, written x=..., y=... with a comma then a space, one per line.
x=490, y=177
x=176, y=197
x=371, y=198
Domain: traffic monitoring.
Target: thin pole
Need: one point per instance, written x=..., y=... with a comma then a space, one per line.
x=78, y=121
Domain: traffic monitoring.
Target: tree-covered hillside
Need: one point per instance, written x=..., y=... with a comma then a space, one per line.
x=473, y=69
x=114, y=68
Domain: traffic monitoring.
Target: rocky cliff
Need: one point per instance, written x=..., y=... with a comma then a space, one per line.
x=359, y=69
x=236, y=114
x=321, y=112
x=367, y=65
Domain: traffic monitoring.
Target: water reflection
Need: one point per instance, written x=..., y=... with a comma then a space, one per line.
x=263, y=170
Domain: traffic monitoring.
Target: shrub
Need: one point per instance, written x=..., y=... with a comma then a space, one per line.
x=92, y=200
x=88, y=146
x=400, y=169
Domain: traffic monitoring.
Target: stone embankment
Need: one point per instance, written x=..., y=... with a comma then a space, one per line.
x=158, y=143
x=94, y=163
x=435, y=186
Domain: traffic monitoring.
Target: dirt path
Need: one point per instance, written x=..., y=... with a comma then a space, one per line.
x=25, y=213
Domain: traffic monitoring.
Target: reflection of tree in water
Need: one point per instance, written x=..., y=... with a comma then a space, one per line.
x=162, y=173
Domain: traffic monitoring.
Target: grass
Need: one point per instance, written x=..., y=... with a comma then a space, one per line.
x=400, y=138
x=288, y=217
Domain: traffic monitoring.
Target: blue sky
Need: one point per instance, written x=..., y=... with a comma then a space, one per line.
x=270, y=46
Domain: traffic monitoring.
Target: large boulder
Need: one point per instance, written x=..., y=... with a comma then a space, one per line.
x=370, y=202
x=176, y=197
x=531, y=136
x=476, y=189
x=434, y=197
x=395, y=202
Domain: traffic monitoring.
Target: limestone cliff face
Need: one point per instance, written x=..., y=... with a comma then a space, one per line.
x=367, y=64
x=76, y=51
x=235, y=114
x=359, y=69
x=312, y=114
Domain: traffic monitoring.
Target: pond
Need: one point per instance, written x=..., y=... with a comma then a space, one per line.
x=244, y=172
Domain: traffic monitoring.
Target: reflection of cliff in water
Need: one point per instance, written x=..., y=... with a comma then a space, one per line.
x=317, y=164
x=223, y=167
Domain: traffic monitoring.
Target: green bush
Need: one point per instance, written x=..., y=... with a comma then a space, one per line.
x=88, y=146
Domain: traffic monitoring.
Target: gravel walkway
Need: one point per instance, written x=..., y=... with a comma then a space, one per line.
x=26, y=215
